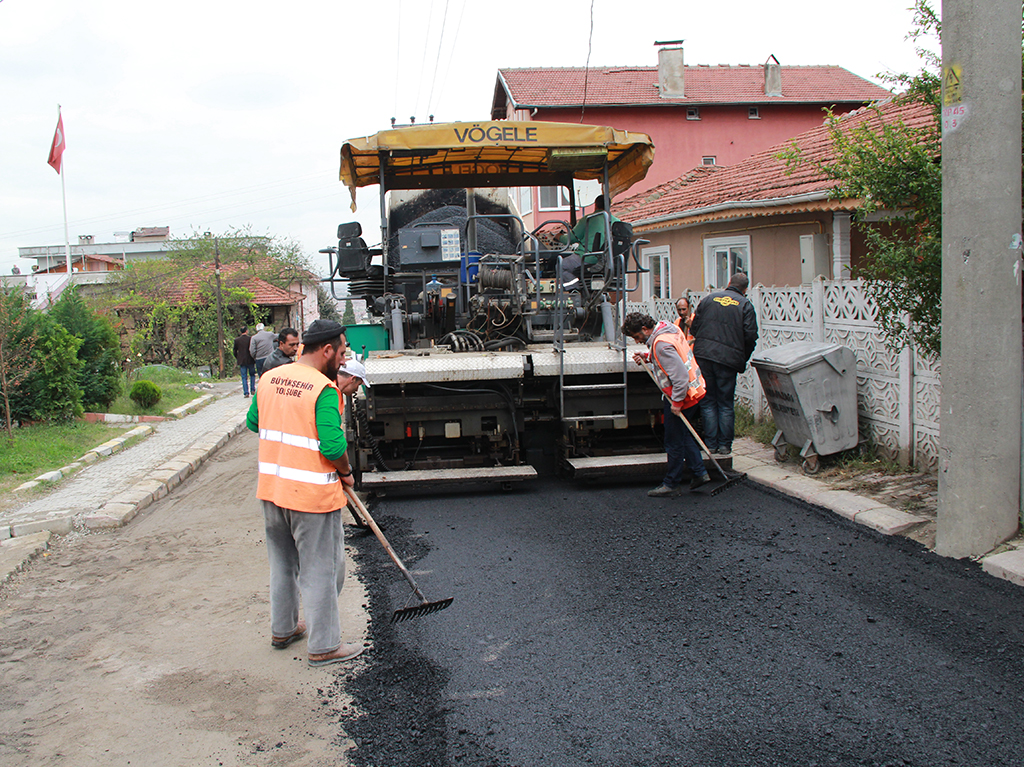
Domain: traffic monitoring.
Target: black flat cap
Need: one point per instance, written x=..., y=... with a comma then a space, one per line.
x=322, y=330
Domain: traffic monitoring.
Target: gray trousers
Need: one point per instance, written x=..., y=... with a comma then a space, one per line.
x=307, y=557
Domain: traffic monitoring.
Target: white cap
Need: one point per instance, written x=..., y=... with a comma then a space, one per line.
x=356, y=369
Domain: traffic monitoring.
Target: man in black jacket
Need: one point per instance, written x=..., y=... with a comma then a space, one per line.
x=245, y=362
x=724, y=328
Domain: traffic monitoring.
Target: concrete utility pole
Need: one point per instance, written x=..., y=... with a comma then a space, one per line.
x=220, y=309
x=980, y=433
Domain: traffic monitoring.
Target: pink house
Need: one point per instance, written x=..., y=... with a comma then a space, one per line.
x=696, y=115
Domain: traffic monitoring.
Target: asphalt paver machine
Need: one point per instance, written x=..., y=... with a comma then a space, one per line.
x=505, y=349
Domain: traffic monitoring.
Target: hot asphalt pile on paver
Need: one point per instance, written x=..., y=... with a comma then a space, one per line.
x=109, y=492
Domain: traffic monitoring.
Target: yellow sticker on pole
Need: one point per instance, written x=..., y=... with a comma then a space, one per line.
x=952, y=84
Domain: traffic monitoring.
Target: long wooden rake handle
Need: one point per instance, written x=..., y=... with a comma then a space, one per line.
x=426, y=606
x=689, y=426
x=361, y=509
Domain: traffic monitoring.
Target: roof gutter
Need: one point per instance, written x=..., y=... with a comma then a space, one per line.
x=735, y=205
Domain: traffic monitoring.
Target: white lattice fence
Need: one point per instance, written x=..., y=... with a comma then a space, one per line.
x=897, y=392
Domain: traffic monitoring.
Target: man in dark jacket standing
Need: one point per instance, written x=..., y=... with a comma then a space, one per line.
x=724, y=328
x=287, y=346
x=245, y=363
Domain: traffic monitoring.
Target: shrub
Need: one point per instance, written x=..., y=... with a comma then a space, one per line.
x=100, y=352
x=145, y=394
x=50, y=392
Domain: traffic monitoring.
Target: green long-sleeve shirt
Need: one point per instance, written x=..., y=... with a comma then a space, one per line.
x=328, y=423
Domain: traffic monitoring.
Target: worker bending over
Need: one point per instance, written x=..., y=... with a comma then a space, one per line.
x=681, y=382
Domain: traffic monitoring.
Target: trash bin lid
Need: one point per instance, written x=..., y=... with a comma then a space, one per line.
x=794, y=356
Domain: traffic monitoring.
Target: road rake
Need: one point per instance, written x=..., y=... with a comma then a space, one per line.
x=728, y=478
x=425, y=607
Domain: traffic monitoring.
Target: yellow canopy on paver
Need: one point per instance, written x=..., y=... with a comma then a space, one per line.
x=494, y=154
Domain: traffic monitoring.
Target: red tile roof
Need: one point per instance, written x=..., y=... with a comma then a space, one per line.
x=638, y=86
x=762, y=181
x=235, y=274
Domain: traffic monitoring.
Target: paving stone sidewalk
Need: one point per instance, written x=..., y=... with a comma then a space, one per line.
x=109, y=492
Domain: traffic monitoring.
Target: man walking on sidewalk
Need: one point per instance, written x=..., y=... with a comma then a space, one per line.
x=680, y=380
x=245, y=362
x=303, y=468
x=261, y=346
x=724, y=328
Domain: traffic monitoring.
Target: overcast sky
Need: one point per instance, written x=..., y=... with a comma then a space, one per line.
x=209, y=115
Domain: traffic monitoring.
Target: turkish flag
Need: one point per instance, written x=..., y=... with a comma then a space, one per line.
x=57, y=148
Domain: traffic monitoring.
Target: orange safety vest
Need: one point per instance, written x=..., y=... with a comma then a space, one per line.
x=293, y=473
x=679, y=324
x=695, y=387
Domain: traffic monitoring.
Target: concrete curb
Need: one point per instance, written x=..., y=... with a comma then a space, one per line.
x=864, y=511
x=191, y=407
x=1008, y=565
x=109, y=447
x=15, y=553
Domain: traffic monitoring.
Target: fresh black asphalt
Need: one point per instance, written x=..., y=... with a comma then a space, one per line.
x=592, y=625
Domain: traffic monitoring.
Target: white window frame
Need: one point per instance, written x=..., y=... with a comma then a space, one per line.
x=714, y=245
x=525, y=200
x=563, y=196
x=708, y=160
x=753, y=113
x=693, y=113
x=662, y=267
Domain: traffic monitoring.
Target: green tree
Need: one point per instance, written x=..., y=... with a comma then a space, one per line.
x=100, y=352
x=17, y=341
x=349, y=316
x=896, y=168
x=179, y=326
x=893, y=167
x=50, y=391
x=325, y=304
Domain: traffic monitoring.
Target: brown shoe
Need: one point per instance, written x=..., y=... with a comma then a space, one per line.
x=279, y=643
x=346, y=651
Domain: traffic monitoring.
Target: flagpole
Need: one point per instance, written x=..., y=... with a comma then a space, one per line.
x=64, y=199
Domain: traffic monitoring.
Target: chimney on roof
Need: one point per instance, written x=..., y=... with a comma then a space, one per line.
x=670, y=69
x=772, y=77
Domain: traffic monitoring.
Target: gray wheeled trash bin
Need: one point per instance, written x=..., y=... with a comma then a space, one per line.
x=812, y=391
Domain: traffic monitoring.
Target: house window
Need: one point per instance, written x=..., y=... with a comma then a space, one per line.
x=707, y=160
x=657, y=282
x=753, y=113
x=554, y=198
x=692, y=113
x=723, y=257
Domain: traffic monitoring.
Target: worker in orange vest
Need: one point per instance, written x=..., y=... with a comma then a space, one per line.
x=680, y=381
x=685, y=317
x=303, y=468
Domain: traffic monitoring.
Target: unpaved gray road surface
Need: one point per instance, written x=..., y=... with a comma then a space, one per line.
x=150, y=645
x=597, y=626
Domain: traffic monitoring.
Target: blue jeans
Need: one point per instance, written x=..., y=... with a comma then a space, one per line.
x=248, y=379
x=717, y=408
x=683, y=451
x=307, y=556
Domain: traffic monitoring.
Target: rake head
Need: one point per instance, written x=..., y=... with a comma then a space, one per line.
x=407, y=613
x=720, y=484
